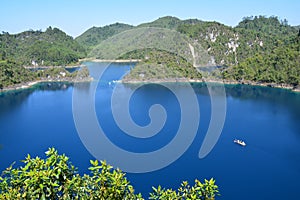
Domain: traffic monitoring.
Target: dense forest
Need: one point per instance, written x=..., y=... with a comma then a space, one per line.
x=50, y=48
x=277, y=60
x=36, y=48
x=11, y=73
x=160, y=65
x=14, y=75
x=259, y=49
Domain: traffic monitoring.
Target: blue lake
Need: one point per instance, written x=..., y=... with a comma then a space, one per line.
x=268, y=119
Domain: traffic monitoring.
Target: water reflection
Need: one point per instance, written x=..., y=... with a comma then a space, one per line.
x=267, y=118
x=13, y=99
x=274, y=98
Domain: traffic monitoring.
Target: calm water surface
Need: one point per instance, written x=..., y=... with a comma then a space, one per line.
x=267, y=119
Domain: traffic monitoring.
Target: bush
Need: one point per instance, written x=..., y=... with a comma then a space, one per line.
x=204, y=191
x=56, y=178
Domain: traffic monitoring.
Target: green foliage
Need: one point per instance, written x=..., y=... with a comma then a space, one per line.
x=266, y=49
x=251, y=36
x=163, y=22
x=56, y=178
x=48, y=54
x=280, y=66
x=170, y=22
x=142, y=38
x=203, y=191
x=96, y=35
x=267, y=25
x=12, y=73
x=261, y=49
x=159, y=65
x=214, y=37
x=52, y=47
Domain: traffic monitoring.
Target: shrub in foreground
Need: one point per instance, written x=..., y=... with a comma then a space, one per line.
x=56, y=178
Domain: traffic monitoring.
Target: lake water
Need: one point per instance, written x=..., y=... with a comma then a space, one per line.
x=268, y=119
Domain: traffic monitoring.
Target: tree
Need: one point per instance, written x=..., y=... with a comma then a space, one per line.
x=203, y=191
x=56, y=178
x=53, y=46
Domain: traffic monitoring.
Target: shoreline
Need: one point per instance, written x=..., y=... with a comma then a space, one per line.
x=271, y=85
x=109, y=60
x=30, y=84
x=27, y=85
x=226, y=82
x=184, y=80
x=53, y=67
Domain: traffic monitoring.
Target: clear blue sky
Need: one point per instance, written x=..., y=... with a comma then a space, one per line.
x=76, y=16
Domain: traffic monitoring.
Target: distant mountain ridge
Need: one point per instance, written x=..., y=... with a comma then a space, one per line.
x=170, y=22
x=95, y=35
x=226, y=45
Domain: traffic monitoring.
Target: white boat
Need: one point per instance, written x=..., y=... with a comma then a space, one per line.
x=240, y=142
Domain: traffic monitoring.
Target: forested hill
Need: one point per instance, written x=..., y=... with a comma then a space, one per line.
x=95, y=35
x=170, y=22
x=227, y=46
x=259, y=49
x=163, y=22
x=52, y=47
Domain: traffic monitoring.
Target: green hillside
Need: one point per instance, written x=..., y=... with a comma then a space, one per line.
x=96, y=35
x=281, y=65
x=267, y=25
x=215, y=38
x=12, y=73
x=260, y=49
x=52, y=47
x=160, y=65
x=269, y=52
x=169, y=22
x=163, y=22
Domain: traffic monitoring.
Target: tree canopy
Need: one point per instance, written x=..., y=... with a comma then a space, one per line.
x=50, y=48
x=56, y=178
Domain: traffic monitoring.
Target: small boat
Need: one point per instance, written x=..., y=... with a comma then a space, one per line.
x=240, y=142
